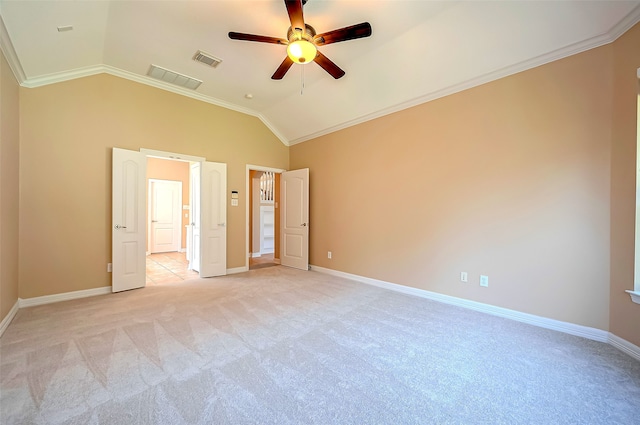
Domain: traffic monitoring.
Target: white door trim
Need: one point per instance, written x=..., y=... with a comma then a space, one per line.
x=171, y=155
x=246, y=191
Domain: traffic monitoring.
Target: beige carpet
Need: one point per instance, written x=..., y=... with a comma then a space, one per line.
x=283, y=346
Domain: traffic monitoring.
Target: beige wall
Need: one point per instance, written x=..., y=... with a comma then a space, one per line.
x=164, y=169
x=625, y=315
x=9, y=146
x=529, y=179
x=510, y=179
x=67, y=132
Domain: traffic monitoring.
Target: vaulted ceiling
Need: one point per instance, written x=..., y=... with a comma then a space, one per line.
x=418, y=51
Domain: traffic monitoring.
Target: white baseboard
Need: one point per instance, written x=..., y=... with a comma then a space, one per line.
x=182, y=250
x=256, y=254
x=556, y=325
x=48, y=299
x=624, y=346
x=9, y=317
x=237, y=270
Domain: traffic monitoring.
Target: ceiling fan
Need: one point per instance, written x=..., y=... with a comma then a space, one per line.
x=302, y=41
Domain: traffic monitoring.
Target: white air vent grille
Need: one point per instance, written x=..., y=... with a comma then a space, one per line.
x=172, y=77
x=206, y=59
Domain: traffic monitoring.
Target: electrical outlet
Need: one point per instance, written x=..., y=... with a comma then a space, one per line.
x=484, y=281
x=464, y=277
x=109, y=267
x=329, y=255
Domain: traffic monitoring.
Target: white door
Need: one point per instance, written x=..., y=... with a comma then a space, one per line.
x=128, y=220
x=294, y=219
x=194, y=210
x=213, y=220
x=165, y=212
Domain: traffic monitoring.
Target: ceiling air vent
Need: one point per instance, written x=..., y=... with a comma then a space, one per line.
x=206, y=59
x=165, y=75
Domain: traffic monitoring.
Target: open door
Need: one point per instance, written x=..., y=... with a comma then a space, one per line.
x=294, y=196
x=194, y=213
x=213, y=220
x=129, y=224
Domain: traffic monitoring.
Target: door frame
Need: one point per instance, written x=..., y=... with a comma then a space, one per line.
x=152, y=153
x=247, y=202
x=146, y=153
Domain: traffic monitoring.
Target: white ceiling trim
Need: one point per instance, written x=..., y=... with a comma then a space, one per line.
x=7, y=47
x=625, y=25
x=143, y=79
x=60, y=77
x=613, y=34
x=10, y=53
x=14, y=63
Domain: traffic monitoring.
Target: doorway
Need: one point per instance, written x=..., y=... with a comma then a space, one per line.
x=263, y=217
x=291, y=216
x=129, y=221
x=264, y=223
x=169, y=205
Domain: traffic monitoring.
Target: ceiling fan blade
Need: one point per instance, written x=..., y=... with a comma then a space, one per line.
x=343, y=34
x=258, y=38
x=294, y=9
x=328, y=66
x=282, y=69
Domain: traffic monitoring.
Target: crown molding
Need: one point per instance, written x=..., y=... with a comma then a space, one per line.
x=625, y=24
x=143, y=79
x=609, y=37
x=10, y=54
x=60, y=77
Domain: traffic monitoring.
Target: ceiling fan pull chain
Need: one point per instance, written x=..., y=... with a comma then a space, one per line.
x=301, y=80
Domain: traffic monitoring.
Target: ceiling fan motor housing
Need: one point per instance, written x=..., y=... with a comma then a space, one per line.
x=296, y=34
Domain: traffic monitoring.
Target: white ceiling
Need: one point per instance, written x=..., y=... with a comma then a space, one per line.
x=419, y=50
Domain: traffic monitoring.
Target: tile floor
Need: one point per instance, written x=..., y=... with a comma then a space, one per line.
x=263, y=261
x=168, y=267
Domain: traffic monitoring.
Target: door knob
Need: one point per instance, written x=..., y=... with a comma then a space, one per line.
x=154, y=221
x=221, y=224
x=117, y=226
x=304, y=225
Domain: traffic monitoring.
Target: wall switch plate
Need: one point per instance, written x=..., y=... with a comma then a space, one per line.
x=234, y=202
x=109, y=267
x=329, y=255
x=484, y=281
x=464, y=277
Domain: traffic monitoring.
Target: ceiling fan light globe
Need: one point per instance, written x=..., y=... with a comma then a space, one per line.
x=302, y=51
